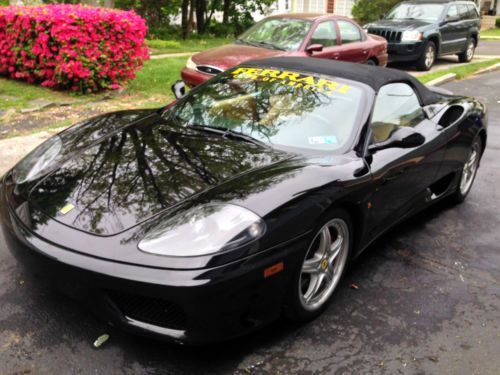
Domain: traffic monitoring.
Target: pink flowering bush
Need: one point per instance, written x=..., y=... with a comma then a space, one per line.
x=71, y=47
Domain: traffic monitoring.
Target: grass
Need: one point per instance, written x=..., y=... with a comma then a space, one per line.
x=490, y=32
x=156, y=77
x=15, y=94
x=461, y=71
x=158, y=47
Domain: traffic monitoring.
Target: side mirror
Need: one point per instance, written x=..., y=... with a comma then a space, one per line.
x=381, y=16
x=314, y=48
x=179, y=89
x=403, y=137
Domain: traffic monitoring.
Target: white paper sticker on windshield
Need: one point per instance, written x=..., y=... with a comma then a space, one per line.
x=323, y=140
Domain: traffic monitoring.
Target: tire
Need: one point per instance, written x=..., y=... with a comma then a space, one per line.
x=428, y=57
x=468, y=54
x=469, y=171
x=371, y=62
x=321, y=269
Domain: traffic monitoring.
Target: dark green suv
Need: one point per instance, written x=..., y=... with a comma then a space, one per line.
x=420, y=31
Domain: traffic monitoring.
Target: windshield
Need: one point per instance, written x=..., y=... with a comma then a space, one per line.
x=276, y=107
x=283, y=34
x=422, y=12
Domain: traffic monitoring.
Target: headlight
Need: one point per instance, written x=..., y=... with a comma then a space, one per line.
x=411, y=36
x=204, y=230
x=37, y=161
x=190, y=64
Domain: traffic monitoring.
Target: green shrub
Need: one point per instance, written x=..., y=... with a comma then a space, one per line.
x=497, y=23
x=365, y=11
x=164, y=44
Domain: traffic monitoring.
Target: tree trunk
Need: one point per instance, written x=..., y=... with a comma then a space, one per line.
x=225, y=10
x=185, y=18
x=201, y=6
x=192, y=6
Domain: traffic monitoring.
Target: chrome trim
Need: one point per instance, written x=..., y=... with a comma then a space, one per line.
x=174, y=333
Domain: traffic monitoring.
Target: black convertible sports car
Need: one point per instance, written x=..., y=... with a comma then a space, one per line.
x=243, y=200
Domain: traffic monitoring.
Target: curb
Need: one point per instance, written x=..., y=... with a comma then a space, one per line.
x=489, y=69
x=442, y=80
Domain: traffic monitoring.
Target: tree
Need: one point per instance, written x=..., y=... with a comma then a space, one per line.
x=365, y=11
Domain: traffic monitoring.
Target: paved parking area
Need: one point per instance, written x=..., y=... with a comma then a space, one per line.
x=428, y=302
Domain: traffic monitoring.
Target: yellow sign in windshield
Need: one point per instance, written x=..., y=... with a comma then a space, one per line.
x=292, y=79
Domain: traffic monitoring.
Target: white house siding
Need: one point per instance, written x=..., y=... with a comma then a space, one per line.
x=344, y=7
x=309, y=6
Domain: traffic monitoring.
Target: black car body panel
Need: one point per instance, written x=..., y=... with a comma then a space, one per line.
x=449, y=36
x=115, y=172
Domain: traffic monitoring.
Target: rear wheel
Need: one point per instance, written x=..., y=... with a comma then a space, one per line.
x=468, y=172
x=426, y=61
x=371, y=62
x=321, y=269
x=468, y=54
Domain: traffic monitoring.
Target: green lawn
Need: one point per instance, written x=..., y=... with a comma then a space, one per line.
x=154, y=79
x=490, y=32
x=16, y=94
x=460, y=71
x=191, y=45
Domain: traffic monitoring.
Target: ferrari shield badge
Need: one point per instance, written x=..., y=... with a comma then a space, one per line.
x=69, y=207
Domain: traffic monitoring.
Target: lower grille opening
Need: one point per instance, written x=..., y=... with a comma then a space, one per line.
x=156, y=311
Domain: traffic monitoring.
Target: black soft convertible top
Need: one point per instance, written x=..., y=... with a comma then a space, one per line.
x=372, y=76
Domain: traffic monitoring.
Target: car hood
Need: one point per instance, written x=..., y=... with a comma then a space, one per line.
x=136, y=170
x=400, y=25
x=227, y=56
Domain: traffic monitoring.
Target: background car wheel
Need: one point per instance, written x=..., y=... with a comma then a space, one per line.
x=371, y=62
x=426, y=61
x=320, y=271
x=468, y=172
x=468, y=54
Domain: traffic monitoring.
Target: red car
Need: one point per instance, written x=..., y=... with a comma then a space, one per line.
x=312, y=35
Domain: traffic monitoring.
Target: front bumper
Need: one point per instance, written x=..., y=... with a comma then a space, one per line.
x=405, y=52
x=187, y=306
x=194, y=78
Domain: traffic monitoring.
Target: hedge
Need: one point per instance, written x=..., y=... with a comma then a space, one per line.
x=71, y=47
x=497, y=22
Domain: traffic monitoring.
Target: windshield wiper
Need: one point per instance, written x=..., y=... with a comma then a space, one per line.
x=226, y=132
x=248, y=42
x=273, y=46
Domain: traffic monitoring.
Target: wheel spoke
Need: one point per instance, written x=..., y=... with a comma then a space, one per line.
x=312, y=266
x=335, y=249
x=314, y=286
x=325, y=241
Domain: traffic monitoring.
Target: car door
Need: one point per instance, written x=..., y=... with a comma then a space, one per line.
x=452, y=31
x=467, y=22
x=401, y=176
x=353, y=46
x=325, y=34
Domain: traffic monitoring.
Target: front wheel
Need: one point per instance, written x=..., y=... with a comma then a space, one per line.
x=469, y=172
x=468, y=54
x=321, y=269
x=426, y=61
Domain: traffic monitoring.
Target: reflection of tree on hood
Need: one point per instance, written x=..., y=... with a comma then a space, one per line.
x=142, y=170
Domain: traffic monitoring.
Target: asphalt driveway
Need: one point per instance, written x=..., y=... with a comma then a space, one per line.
x=428, y=302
